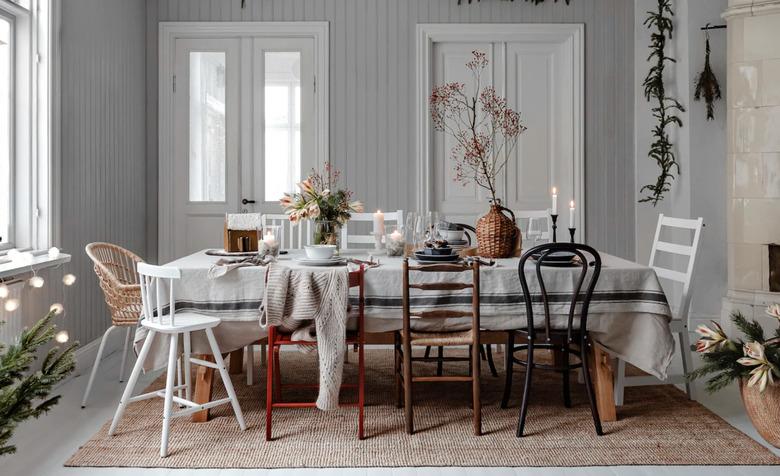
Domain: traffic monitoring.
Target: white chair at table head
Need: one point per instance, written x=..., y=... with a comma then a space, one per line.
x=682, y=279
x=160, y=317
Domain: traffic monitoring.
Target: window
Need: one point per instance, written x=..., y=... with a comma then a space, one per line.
x=26, y=211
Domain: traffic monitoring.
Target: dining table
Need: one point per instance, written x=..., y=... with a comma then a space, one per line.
x=629, y=316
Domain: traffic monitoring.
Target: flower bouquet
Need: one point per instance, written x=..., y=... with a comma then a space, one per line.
x=754, y=362
x=320, y=200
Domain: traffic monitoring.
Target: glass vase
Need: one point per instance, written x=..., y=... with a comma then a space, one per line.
x=327, y=232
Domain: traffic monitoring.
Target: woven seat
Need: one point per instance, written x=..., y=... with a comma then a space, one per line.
x=442, y=338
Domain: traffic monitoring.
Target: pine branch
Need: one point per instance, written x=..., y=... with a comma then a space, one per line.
x=707, y=84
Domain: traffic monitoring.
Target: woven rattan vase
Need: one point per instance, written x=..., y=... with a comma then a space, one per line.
x=496, y=232
x=763, y=409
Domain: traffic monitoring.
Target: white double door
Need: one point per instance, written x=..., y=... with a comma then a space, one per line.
x=537, y=73
x=244, y=131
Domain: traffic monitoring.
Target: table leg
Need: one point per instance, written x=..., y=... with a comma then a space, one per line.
x=204, y=384
x=236, y=364
x=603, y=382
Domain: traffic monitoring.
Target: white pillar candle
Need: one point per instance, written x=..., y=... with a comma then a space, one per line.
x=379, y=222
x=572, y=223
x=554, y=201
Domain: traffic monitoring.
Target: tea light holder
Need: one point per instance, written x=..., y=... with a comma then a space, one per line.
x=269, y=240
x=395, y=242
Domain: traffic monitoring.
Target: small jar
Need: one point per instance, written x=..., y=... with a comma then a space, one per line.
x=269, y=240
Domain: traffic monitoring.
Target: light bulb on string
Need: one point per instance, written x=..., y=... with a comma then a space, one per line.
x=54, y=252
x=62, y=337
x=36, y=281
x=4, y=292
x=68, y=279
x=11, y=305
x=57, y=308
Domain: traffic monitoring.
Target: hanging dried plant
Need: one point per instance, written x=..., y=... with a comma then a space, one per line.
x=707, y=84
x=661, y=150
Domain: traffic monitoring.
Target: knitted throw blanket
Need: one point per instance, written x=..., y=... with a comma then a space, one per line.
x=292, y=301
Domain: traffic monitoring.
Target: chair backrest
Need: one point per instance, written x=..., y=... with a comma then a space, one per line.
x=472, y=268
x=155, y=280
x=537, y=220
x=115, y=269
x=687, y=251
x=294, y=235
x=588, y=259
x=396, y=217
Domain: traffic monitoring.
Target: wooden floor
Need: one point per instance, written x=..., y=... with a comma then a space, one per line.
x=43, y=445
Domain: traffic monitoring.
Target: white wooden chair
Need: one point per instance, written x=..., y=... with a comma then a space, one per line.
x=537, y=220
x=679, y=323
x=154, y=281
x=294, y=235
x=347, y=239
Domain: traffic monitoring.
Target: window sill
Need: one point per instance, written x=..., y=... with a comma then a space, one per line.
x=41, y=260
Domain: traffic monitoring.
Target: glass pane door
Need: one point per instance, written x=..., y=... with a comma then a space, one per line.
x=207, y=126
x=282, y=123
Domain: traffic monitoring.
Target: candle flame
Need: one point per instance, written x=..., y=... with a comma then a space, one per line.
x=555, y=191
x=571, y=204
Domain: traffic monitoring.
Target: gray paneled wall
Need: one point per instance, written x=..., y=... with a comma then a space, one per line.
x=103, y=144
x=372, y=76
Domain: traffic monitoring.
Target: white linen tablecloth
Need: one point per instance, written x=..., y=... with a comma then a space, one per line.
x=629, y=313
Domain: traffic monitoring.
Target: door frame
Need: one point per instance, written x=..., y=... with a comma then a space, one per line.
x=169, y=32
x=570, y=34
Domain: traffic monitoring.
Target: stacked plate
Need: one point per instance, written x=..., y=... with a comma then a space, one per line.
x=439, y=255
x=332, y=261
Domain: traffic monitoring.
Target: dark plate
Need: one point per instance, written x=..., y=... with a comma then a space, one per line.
x=558, y=259
x=436, y=251
x=435, y=258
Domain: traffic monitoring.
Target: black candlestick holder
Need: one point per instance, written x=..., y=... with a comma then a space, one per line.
x=571, y=233
x=554, y=227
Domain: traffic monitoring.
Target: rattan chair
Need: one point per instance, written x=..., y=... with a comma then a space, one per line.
x=115, y=268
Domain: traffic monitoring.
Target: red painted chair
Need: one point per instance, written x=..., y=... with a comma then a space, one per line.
x=277, y=339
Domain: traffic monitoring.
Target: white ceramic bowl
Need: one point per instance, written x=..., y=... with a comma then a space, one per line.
x=320, y=251
x=451, y=235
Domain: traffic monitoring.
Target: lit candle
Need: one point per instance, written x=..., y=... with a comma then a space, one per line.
x=555, y=201
x=269, y=239
x=396, y=235
x=379, y=222
x=572, y=224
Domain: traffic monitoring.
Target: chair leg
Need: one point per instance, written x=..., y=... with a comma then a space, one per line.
x=128, y=392
x=526, y=389
x=427, y=351
x=399, y=397
x=491, y=364
x=508, y=362
x=249, y=352
x=585, y=353
x=440, y=362
x=566, y=373
x=476, y=401
x=687, y=361
x=263, y=355
x=620, y=382
x=172, y=371
x=269, y=384
x=187, y=366
x=407, y=362
x=361, y=388
x=179, y=378
x=277, y=375
x=124, y=354
x=95, y=366
x=225, y=378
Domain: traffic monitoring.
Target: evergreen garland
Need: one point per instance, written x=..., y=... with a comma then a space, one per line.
x=666, y=109
x=707, y=84
x=23, y=394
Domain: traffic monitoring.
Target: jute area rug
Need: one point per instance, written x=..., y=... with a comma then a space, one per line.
x=657, y=426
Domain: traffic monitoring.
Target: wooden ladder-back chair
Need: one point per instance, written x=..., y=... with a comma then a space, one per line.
x=115, y=268
x=406, y=338
x=277, y=339
x=572, y=340
x=679, y=322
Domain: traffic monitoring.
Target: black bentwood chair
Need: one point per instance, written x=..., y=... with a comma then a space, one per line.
x=563, y=342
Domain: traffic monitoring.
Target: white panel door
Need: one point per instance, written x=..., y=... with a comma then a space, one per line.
x=206, y=129
x=245, y=131
x=538, y=69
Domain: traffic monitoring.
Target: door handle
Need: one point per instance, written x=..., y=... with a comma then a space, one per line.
x=246, y=201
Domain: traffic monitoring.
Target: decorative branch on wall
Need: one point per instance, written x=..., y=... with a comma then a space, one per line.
x=536, y=2
x=707, y=84
x=661, y=150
